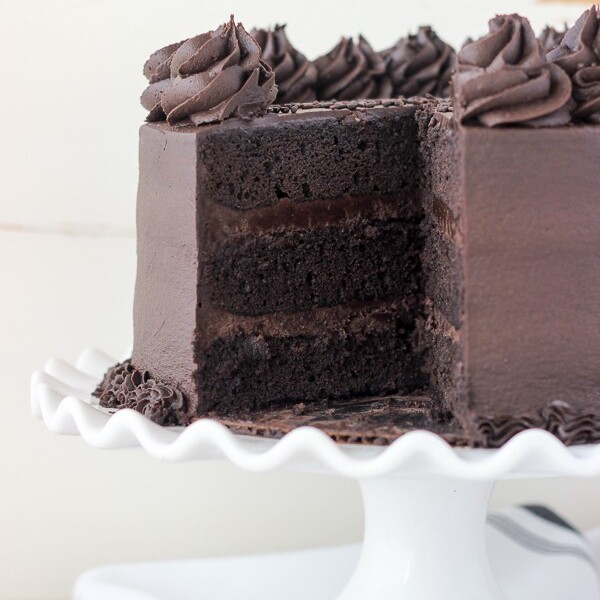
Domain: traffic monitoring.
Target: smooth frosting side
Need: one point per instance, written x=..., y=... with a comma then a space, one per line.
x=213, y=76
x=579, y=55
x=352, y=71
x=504, y=79
x=420, y=64
x=295, y=75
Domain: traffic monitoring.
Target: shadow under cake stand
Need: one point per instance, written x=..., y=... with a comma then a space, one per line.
x=425, y=502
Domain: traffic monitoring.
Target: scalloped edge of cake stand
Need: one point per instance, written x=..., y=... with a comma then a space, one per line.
x=425, y=502
x=61, y=397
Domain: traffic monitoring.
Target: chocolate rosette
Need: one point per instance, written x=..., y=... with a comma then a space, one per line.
x=586, y=93
x=352, y=71
x=579, y=55
x=576, y=49
x=503, y=79
x=295, y=75
x=157, y=71
x=420, y=64
x=215, y=76
x=159, y=402
x=550, y=38
x=124, y=386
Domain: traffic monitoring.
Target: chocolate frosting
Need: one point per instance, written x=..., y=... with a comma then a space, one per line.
x=559, y=418
x=295, y=75
x=586, y=92
x=420, y=64
x=352, y=71
x=580, y=46
x=157, y=71
x=503, y=79
x=550, y=38
x=213, y=76
x=579, y=55
x=124, y=386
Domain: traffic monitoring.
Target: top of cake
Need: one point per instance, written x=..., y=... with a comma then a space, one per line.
x=508, y=77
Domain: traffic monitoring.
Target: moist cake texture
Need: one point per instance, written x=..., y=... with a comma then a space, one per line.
x=371, y=266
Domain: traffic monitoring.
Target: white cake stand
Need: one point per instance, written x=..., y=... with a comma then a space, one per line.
x=425, y=502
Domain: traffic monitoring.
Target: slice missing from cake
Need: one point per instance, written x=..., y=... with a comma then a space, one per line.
x=371, y=267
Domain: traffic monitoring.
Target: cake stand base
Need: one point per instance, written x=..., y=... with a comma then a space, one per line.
x=316, y=574
x=424, y=538
x=425, y=501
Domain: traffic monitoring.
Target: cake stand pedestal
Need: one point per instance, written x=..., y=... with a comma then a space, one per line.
x=425, y=502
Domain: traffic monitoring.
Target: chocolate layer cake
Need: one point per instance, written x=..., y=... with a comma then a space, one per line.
x=370, y=266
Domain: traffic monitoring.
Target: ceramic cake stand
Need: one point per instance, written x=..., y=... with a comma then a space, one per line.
x=425, y=502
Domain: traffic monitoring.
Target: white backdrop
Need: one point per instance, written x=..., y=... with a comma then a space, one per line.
x=68, y=175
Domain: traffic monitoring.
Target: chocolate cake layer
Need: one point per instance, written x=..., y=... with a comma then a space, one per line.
x=318, y=266
x=356, y=351
x=308, y=155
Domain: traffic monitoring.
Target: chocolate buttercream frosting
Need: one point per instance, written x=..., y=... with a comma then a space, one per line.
x=504, y=79
x=295, y=75
x=550, y=38
x=124, y=386
x=157, y=71
x=579, y=55
x=352, y=71
x=580, y=46
x=420, y=64
x=586, y=92
x=559, y=418
x=213, y=76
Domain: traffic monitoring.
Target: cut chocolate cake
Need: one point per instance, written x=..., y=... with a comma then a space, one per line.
x=370, y=266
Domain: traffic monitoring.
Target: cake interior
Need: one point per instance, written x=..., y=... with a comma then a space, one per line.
x=310, y=283
x=326, y=255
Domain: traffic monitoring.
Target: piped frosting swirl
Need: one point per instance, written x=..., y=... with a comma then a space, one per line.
x=503, y=79
x=352, y=71
x=214, y=76
x=157, y=71
x=559, y=418
x=550, y=38
x=579, y=55
x=124, y=386
x=420, y=64
x=295, y=75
